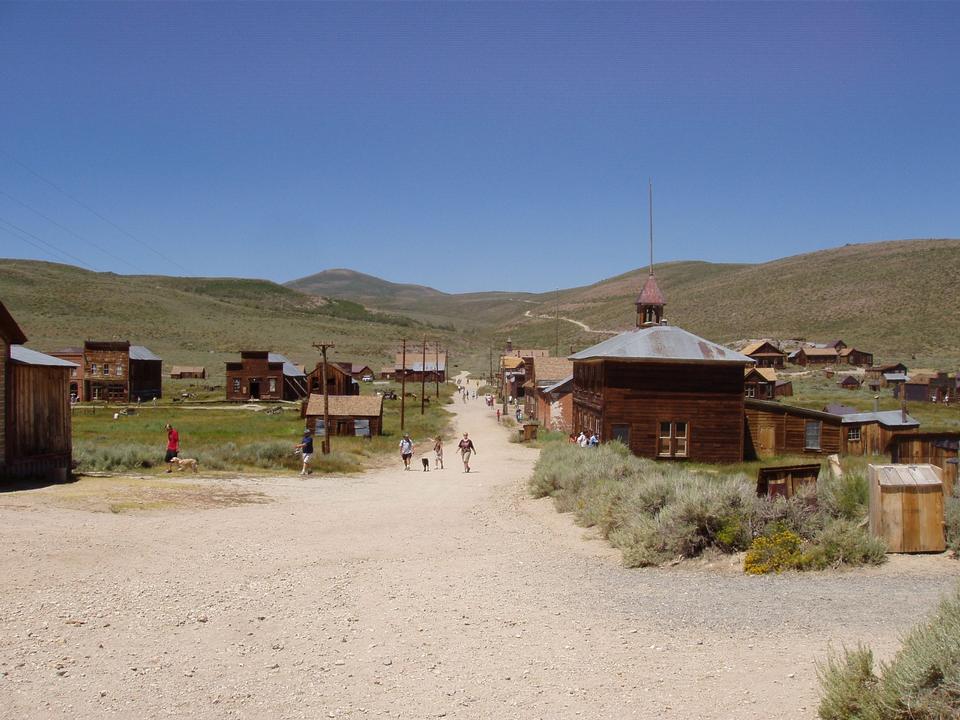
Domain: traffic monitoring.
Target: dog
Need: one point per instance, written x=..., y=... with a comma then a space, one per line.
x=426, y=464
x=186, y=463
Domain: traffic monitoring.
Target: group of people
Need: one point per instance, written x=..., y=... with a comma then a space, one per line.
x=465, y=447
x=583, y=441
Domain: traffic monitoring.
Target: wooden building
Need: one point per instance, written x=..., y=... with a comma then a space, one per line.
x=816, y=356
x=113, y=371
x=759, y=382
x=263, y=375
x=357, y=371
x=339, y=380
x=935, y=387
x=188, y=372
x=434, y=369
x=35, y=427
x=878, y=371
x=786, y=480
x=512, y=376
x=783, y=388
x=774, y=428
x=350, y=415
x=662, y=391
x=940, y=449
x=852, y=356
x=766, y=354
x=73, y=355
x=543, y=372
x=555, y=405
x=850, y=382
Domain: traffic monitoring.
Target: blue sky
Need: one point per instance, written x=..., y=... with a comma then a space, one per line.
x=471, y=146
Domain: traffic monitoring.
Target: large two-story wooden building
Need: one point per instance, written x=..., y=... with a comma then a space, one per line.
x=662, y=391
x=263, y=375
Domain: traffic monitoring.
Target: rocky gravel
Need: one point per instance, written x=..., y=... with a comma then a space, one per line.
x=410, y=595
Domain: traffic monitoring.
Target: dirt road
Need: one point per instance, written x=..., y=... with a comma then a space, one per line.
x=408, y=595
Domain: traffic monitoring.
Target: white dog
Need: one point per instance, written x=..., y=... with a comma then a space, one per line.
x=186, y=463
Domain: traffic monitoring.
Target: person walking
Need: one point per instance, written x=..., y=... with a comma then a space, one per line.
x=438, y=453
x=466, y=450
x=173, y=445
x=306, y=450
x=406, y=450
x=498, y=414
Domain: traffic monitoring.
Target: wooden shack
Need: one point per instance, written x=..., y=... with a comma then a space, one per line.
x=786, y=480
x=783, y=388
x=357, y=371
x=662, y=391
x=350, y=415
x=188, y=372
x=931, y=386
x=10, y=334
x=38, y=432
x=850, y=382
x=766, y=354
x=935, y=448
x=816, y=356
x=434, y=369
x=773, y=428
x=907, y=507
x=263, y=375
x=339, y=380
x=852, y=356
x=872, y=433
x=759, y=382
x=878, y=371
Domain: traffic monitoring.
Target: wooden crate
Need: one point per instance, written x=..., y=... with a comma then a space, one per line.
x=786, y=480
x=906, y=507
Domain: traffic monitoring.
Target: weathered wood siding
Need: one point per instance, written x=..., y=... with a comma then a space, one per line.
x=933, y=448
x=146, y=379
x=106, y=375
x=254, y=369
x=39, y=427
x=709, y=398
x=4, y=409
x=344, y=426
x=777, y=432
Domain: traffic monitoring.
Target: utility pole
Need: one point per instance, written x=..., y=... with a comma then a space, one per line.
x=490, y=369
x=423, y=377
x=325, y=445
x=403, y=383
x=558, y=321
x=436, y=374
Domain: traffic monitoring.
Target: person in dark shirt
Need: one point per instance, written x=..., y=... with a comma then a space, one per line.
x=306, y=449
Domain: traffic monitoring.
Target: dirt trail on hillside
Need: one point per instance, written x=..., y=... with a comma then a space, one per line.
x=409, y=595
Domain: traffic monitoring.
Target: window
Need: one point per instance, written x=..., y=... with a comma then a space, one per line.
x=673, y=439
x=93, y=368
x=106, y=370
x=119, y=370
x=73, y=372
x=236, y=385
x=273, y=385
x=811, y=435
x=750, y=391
x=853, y=434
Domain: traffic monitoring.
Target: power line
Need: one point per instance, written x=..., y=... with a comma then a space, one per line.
x=50, y=246
x=92, y=211
x=72, y=232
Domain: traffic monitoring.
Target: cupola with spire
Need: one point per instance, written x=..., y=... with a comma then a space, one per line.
x=650, y=302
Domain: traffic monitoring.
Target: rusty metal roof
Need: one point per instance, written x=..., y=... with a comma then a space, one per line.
x=346, y=405
x=651, y=294
x=289, y=369
x=662, y=343
x=889, y=418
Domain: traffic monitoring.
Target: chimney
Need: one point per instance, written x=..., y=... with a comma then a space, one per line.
x=509, y=346
x=876, y=403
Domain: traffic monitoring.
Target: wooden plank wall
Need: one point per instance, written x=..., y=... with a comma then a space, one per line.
x=255, y=368
x=4, y=359
x=146, y=379
x=915, y=449
x=39, y=423
x=788, y=434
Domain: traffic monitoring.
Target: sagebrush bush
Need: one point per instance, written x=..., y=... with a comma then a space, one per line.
x=654, y=512
x=922, y=682
x=846, y=497
x=953, y=521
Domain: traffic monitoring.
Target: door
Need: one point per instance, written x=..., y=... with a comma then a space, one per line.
x=254, y=389
x=768, y=442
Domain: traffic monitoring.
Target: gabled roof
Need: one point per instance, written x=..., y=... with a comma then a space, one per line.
x=818, y=352
x=346, y=405
x=889, y=418
x=139, y=352
x=25, y=356
x=550, y=369
x=9, y=330
x=754, y=346
x=289, y=369
x=176, y=369
x=651, y=294
x=510, y=362
x=848, y=379
x=768, y=374
x=896, y=377
x=662, y=343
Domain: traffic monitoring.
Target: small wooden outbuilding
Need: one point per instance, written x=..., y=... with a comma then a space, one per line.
x=350, y=415
x=786, y=480
x=186, y=372
x=938, y=448
x=906, y=507
x=850, y=382
x=339, y=380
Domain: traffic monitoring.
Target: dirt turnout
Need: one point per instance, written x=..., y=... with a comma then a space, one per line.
x=409, y=595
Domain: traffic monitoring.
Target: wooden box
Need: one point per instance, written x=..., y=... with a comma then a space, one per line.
x=906, y=507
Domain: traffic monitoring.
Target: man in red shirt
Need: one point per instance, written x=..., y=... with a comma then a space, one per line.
x=173, y=445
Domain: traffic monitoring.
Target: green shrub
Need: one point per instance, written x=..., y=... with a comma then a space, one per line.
x=922, y=682
x=953, y=521
x=842, y=542
x=844, y=498
x=846, y=685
